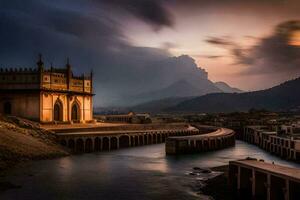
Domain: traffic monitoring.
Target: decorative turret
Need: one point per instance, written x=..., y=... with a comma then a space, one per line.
x=91, y=78
x=69, y=73
x=91, y=74
x=68, y=66
x=40, y=63
x=51, y=67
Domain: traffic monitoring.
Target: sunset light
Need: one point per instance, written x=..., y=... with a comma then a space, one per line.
x=149, y=99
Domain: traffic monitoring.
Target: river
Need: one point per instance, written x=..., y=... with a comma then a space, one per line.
x=143, y=173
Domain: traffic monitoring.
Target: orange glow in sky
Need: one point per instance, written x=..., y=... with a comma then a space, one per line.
x=295, y=39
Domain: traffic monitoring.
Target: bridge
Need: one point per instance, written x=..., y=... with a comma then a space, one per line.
x=216, y=138
x=110, y=138
x=179, y=138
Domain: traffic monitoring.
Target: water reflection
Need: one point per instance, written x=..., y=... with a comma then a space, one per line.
x=135, y=173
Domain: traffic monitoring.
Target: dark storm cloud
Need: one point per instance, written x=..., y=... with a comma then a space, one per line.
x=272, y=54
x=150, y=11
x=85, y=32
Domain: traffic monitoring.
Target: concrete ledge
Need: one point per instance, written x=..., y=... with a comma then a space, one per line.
x=252, y=179
x=218, y=138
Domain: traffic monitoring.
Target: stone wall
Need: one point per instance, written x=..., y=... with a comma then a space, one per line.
x=24, y=105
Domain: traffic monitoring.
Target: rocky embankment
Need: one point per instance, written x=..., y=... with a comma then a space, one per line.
x=217, y=187
x=22, y=140
x=212, y=183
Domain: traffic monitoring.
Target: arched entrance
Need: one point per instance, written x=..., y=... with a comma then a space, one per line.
x=88, y=145
x=71, y=144
x=105, y=143
x=58, y=111
x=113, y=143
x=124, y=141
x=7, y=108
x=79, y=146
x=97, y=144
x=75, y=112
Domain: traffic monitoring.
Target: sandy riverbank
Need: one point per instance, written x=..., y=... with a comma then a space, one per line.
x=23, y=140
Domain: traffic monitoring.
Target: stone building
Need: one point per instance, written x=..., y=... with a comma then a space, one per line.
x=131, y=117
x=46, y=95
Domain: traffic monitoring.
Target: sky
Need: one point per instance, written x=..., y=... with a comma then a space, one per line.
x=135, y=46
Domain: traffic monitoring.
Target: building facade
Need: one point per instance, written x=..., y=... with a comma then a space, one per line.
x=46, y=95
x=285, y=146
x=131, y=117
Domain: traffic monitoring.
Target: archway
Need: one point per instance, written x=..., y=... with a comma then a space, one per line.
x=71, y=144
x=132, y=141
x=58, y=111
x=154, y=138
x=63, y=143
x=75, y=112
x=124, y=141
x=97, y=144
x=79, y=146
x=150, y=139
x=105, y=144
x=113, y=143
x=163, y=138
x=88, y=145
x=158, y=138
x=145, y=139
x=141, y=141
x=7, y=108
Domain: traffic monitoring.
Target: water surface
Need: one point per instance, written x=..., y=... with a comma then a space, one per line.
x=136, y=173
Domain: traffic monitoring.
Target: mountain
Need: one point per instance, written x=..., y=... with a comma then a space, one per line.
x=178, y=92
x=285, y=96
x=226, y=88
x=157, y=106
x=181, y=88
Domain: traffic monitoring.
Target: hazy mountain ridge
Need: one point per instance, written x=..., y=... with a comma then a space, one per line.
x=156, y=106
x=281, y=97
x=176, y=93
x=227, y=88
x=181, y=88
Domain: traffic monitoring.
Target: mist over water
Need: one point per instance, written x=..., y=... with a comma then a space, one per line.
x=135, y=173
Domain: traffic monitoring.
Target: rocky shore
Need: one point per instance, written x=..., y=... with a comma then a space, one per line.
x=217, y=187
x=23, y=140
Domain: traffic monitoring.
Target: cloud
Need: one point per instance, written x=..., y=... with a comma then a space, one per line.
x=209, y=56
x=86, y=32
x=273, y=54
x=270, y=55
x=220, y=41
x=152, y=12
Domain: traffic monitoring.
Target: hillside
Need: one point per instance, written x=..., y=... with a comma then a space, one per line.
x=285, y=96
x=181, y=88
x=178, y=92
x=158, y=105
x=227, y=88
x=22, y=140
